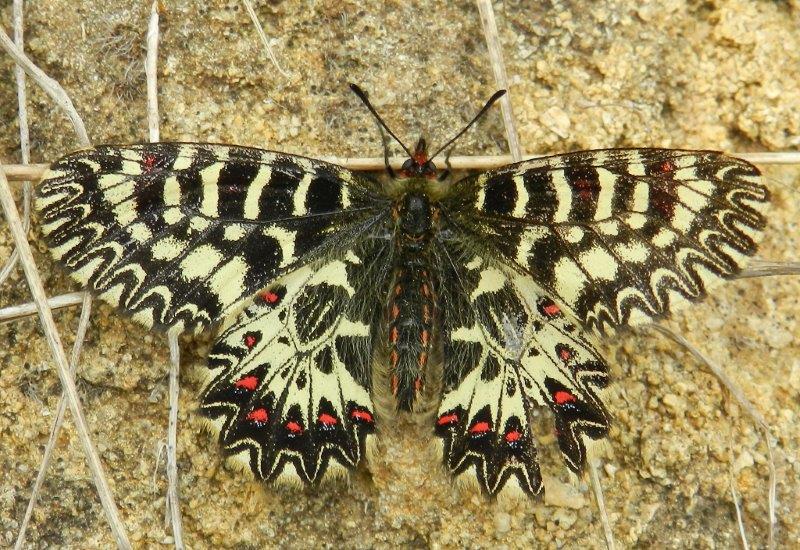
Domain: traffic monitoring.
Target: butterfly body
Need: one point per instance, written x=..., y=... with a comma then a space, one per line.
x=412, y=302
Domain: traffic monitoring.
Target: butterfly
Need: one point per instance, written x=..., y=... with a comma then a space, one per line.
x=487, y=294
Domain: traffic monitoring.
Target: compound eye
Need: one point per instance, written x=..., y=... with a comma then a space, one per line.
x=429, y=168
x=408, y=165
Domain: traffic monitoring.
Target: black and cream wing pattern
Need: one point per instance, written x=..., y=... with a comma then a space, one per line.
x=316, y=274
x=542, y=256
x=180, y=235
x=279, y=247
x=619, y=237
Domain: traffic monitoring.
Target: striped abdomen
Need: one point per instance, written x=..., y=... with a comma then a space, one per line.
x=411, y=304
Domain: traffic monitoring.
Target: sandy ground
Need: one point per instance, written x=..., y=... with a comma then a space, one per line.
x=717, y=74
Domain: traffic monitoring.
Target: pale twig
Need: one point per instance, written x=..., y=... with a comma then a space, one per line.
x=55, y=428
x=160, y=448
x=766, y=268
x=772, y=504
x=499, y=69
x=150, y=71
x=14, y=313
x=67, y=383
x=260, y=30
x=34, y=172
x=739, y=520
x=19, y=74
x=24, y=137
x=745, y=403
x=50, y=86
x=597, y=488
x=173, y=502
x=173, y=510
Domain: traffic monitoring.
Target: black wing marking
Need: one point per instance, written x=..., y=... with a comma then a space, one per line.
x=178, y=234
x=618, y=237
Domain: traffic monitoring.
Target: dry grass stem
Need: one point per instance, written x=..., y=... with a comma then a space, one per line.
x=55, y=428
x=499, y=69
x=24, y=136
x=14, y=313
x=173, y=501
x=34, y=172
x=67, y=383
x=597, y=488
x=767, y=268
x=743, y=402
x=260, y=30
x=173, y=510
x=50, y=86
x=739, y=520
x=150, y=65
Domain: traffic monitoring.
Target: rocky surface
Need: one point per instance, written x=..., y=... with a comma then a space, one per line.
x=720, y=74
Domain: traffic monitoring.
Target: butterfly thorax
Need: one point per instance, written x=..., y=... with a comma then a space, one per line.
x=411, y=302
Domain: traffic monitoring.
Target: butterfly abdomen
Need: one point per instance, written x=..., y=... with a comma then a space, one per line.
x=412, y=301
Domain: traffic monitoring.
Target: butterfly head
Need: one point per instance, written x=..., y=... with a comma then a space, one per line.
x=418, y=165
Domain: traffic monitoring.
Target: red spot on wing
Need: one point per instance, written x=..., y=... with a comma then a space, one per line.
x=248, y=383
x=565, y=354
x=550, y=309
x=447, y=419
x=327, y=419
x=361, y=415
x=513, y=436
x=294, y=427
x=586, y=188
x=148, y=161
x=258, y=415
x=666, y=166
x=418, y=384
x=270, y=297
x=479, y=428
x=562, y=397
x=250, y=339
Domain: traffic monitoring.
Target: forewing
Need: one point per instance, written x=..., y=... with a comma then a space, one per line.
x=179, y=234
x=507, y=349
x=618, y=237
x=288, y=388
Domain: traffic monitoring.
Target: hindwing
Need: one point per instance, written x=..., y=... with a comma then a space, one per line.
x=289, y=379
x=179, y=234
x=621, y=236
x=508, y=348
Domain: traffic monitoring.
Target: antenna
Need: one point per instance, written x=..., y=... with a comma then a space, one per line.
x=497, y=95
x=363, y=97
